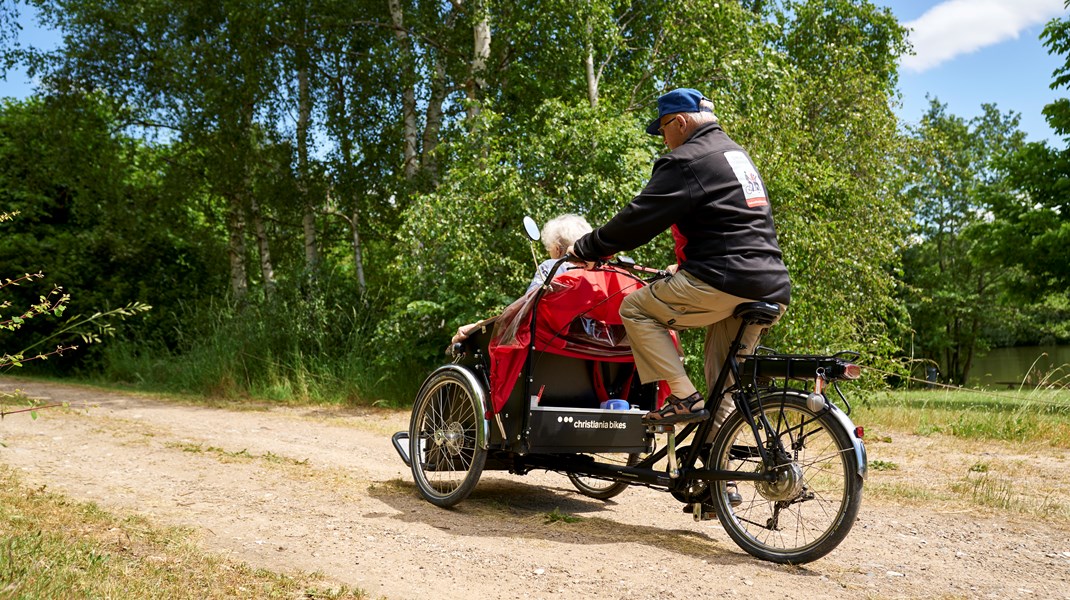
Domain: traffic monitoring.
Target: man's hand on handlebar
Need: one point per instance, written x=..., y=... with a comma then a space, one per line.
x=570, y=254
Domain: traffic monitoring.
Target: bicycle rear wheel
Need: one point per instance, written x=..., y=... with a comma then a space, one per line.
x=604, y=489
x=810, y=507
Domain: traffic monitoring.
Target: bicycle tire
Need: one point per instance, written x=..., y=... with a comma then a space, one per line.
x=813, y=504
x=604, y=489
x=445, y=458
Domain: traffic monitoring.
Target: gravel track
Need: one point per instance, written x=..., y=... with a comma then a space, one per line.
x=309, y=489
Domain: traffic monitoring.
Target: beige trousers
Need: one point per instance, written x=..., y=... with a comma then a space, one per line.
x=683, y=302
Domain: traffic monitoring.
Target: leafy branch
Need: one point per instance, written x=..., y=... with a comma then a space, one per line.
x=25, y=404
x=54, y=303
x=90, y=329
x=97, y=324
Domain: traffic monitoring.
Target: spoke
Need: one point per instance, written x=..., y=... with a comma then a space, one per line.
x=800, y=528
x=805, y=520
x=820, y=463
x=457, y=404
x=435, y=410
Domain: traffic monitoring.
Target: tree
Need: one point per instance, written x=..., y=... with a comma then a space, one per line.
x=828, y=144
x=201, y=71
x=94, y=212
x=954, y=276
x=464, y=255
x=1033, y=232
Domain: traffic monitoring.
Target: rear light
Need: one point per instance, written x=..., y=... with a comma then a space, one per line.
x=852, y=371
x=860, y=432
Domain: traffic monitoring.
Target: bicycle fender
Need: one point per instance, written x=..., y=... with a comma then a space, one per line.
x=859, y=446
x=483, y=431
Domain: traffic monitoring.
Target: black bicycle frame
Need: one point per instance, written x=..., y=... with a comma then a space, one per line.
x=701, y=430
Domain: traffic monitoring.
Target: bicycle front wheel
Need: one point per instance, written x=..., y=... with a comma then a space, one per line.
x=445, y=456
x=811, y=505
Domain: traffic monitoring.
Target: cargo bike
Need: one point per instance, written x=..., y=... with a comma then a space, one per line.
x=550, y=385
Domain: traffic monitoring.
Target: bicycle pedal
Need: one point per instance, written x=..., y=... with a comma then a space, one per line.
x=660, y=428
x=701, y=512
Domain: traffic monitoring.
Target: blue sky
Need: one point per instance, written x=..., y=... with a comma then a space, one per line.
x=968, y=52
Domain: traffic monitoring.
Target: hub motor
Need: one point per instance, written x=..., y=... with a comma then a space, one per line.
x=787, y=486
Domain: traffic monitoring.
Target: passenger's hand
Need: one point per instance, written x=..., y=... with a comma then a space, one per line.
x=673, y=268
x=462, y=332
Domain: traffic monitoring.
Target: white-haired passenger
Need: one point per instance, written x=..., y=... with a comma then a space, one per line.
x=557, y=235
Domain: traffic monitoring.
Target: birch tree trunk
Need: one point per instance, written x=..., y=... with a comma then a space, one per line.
x=239, y=280
x=433, y=124
x=304, y=116
x=266, y=270
x=408, y=94
x=588, y=63
x=480, y=54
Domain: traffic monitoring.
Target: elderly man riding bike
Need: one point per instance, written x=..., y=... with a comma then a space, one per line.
x=707, y=190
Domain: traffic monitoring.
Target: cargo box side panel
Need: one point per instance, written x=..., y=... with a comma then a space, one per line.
x=562, y=430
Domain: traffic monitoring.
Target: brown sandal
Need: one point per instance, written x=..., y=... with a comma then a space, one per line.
x=692, y=408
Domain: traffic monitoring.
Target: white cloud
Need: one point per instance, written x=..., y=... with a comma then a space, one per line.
x=956, y=27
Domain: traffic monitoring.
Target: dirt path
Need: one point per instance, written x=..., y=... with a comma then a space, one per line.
x=323, y=490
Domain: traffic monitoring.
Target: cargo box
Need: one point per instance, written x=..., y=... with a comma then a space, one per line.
x=559, y=430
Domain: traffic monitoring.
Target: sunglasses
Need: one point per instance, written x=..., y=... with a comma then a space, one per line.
x=661, y=130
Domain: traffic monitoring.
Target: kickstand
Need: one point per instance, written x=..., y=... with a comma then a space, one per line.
x=674, y=468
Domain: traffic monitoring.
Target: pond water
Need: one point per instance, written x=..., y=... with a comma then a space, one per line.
x=1002, y=365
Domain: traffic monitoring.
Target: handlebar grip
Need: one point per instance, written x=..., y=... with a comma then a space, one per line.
x=572, y=258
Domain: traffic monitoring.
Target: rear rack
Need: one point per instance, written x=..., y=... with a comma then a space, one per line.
x=798, y=366
x=766, y=366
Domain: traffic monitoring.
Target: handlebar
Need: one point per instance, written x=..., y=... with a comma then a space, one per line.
x=621, y=262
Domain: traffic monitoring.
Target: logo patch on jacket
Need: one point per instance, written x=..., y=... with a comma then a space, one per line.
x=753, y=190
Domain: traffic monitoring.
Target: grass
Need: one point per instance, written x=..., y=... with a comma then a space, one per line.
x=969, y=450
x=270, y=457
x=322, y=348
x=903, y=491
x=556, y=516
x=1000, y=493
x=51, y=547
x=883, y=465
x=1037, y=416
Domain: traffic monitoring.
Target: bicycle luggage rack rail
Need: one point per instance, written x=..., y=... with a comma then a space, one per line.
x=770, y=366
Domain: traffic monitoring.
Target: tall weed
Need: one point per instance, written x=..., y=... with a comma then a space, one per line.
x=319, y=346
x=1038, y=415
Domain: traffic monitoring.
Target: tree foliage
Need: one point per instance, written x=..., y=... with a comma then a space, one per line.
x=955, y=274
x=1033, y=231
x=839, y=218
x=373, y=160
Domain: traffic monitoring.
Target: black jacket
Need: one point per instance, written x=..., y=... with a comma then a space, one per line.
x=708, y=191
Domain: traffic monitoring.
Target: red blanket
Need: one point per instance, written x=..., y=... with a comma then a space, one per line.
x=579, y=316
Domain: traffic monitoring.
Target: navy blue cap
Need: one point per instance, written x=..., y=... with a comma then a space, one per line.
x=682, y=100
